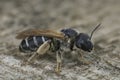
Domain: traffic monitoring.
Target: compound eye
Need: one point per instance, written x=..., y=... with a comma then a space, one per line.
x=79, y=43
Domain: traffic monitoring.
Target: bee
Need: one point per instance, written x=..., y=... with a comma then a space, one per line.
x=42, y=40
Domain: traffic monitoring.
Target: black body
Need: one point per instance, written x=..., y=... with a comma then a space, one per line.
x=70, y=33
x=32, y=43
x=81, y=41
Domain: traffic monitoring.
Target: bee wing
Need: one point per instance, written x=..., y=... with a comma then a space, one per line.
x=39, y=32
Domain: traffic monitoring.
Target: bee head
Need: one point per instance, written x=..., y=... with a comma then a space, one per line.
x=83, y=41
x=70, y=33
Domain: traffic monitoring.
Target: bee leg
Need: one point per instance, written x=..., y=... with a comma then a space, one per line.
x=29, y=60
x=40, y=51
x=84, y=61
x=59, y=61
x=32, y=58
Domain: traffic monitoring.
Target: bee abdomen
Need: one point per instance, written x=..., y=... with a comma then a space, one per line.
x=31, y=44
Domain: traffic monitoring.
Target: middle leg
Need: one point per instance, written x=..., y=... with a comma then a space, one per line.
x=59, y=62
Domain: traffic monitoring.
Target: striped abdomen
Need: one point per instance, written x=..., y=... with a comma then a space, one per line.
x=31, y=44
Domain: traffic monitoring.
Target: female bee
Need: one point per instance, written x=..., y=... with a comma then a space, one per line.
x=40, y=41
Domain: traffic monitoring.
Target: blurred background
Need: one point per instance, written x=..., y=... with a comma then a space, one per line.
x=82, y=15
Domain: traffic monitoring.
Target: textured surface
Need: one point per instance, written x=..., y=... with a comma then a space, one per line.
x=82, y=15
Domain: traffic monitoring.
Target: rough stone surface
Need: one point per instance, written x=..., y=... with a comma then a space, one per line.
x=82, y=15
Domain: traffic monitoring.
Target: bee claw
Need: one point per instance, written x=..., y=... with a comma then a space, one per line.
x=58, y=70
x=24, y=63
x=86, y=62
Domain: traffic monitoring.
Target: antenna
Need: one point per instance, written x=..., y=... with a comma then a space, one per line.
x=94, y=30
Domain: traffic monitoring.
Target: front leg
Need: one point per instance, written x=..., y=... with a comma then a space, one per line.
x=40, y=51
x=82, y=59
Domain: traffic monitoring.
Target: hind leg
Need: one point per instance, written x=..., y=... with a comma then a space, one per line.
x=40, y=51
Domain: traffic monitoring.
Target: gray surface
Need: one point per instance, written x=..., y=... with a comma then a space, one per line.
x=82, y=15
